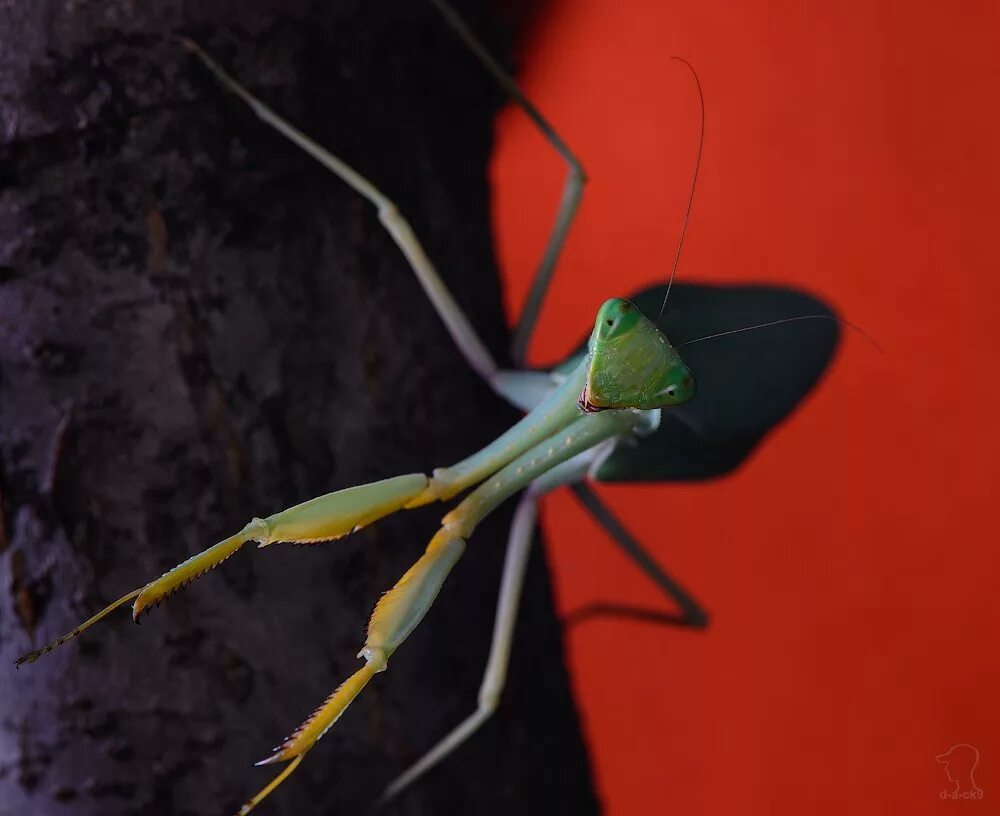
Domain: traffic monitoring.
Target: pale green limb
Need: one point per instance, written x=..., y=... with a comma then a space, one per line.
x=565, y=457
x=396, y=615
x=325, y=518
x=461, y=330
x=586, y=432
x=511, y=585
x=336, y=514
x=572, y=189
x=526, y=389
x=401, y=609
x=557, y=410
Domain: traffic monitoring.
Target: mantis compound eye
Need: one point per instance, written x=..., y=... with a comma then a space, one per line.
x=680, y=387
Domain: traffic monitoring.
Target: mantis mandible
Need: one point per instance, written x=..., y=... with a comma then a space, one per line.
x=597, y=417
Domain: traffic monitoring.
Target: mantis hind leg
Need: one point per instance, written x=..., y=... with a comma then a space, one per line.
x=690, y=615
x=463, y=333
x=572, y=187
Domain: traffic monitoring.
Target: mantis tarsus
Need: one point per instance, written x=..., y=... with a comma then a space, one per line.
x=597, y=417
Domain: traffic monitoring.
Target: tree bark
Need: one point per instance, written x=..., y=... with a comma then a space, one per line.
x=198, y=325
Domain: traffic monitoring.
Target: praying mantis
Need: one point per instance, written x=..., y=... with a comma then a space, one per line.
x=597, y=417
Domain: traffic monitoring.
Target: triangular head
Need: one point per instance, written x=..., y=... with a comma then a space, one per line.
x=746, y=383
x=632, y=364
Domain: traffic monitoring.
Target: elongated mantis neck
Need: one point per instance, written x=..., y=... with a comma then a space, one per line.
x=555, y=412
x=586, y=432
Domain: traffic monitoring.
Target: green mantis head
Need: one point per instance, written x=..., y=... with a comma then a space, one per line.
x=632, y=364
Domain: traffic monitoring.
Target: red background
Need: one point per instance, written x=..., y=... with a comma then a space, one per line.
x=851, y=565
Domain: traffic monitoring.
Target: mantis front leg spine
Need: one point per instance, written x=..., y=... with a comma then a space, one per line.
x=402, y=608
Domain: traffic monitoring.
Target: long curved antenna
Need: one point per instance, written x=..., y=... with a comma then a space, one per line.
x=839, y=320
x=694, y=181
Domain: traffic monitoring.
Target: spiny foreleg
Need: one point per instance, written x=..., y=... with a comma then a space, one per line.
x=515, y=565
x=403, y=607
x=334, y=515
x=324, y=518
x=565, y=456
x=396, y=615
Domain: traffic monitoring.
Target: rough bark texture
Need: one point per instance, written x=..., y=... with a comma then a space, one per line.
x=198, y=325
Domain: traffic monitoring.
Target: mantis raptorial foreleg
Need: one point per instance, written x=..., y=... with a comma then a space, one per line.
x=336, y=514
x=570, y=471
x=324, y=518
x=396, y=615
x=516, y=561
x=403, y=607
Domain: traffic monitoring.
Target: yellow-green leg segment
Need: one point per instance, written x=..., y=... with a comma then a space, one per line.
x=516, y=562
x=324, y=518
x=403, y=607
x=336, y=514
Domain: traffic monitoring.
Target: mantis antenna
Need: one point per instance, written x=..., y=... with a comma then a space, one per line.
x=840, y=320
x=694, y=181
x=680, y=246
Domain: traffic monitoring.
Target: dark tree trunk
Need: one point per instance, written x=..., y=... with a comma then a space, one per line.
x=198, y=325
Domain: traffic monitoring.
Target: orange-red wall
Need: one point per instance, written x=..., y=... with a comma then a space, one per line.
x=851, y=566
